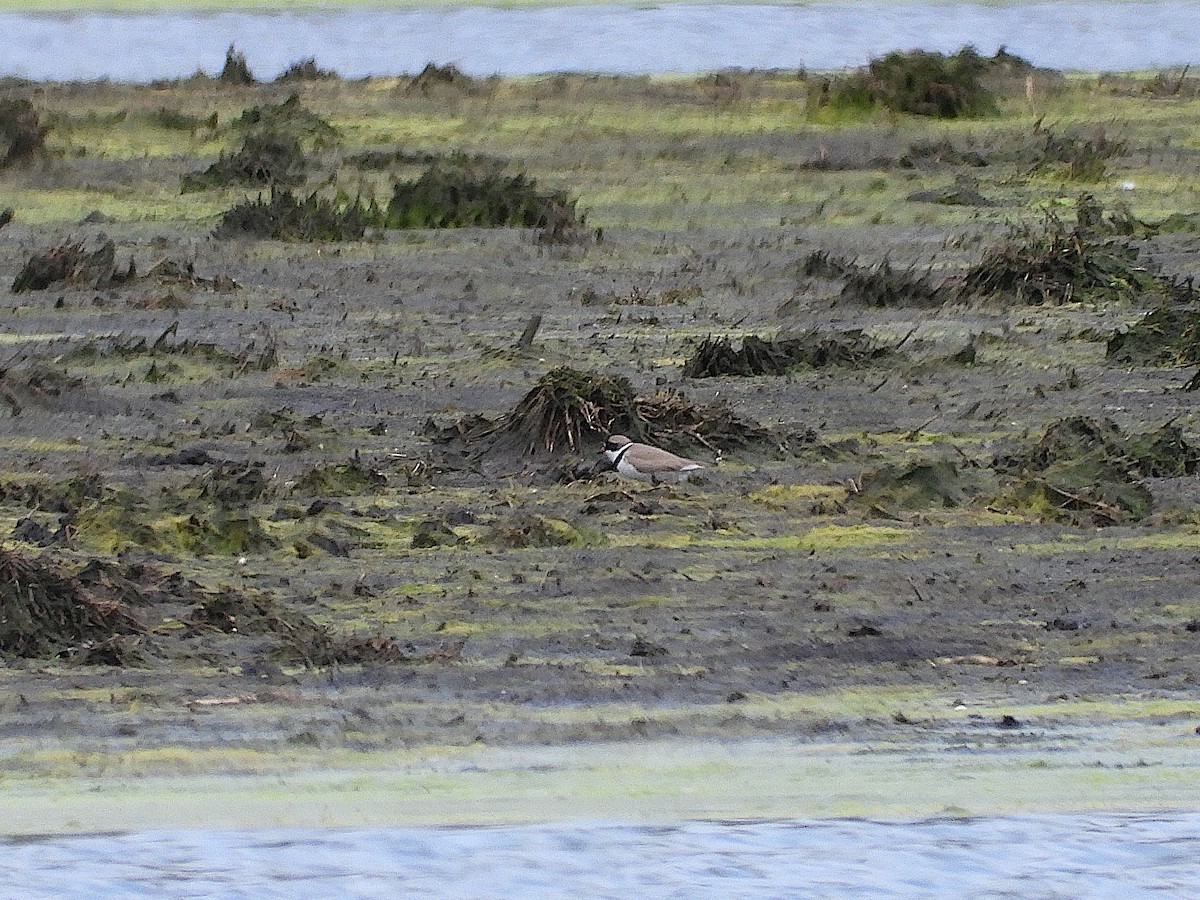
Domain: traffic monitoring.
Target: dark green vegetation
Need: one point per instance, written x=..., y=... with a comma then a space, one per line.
x=348, y=460
x=922, y=83
x=463, y=194
x=22, y=134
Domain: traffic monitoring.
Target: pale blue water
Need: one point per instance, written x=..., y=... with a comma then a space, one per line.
x=362, y=41
x=1051, y=856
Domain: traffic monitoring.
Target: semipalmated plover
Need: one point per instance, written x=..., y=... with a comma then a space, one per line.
x=649, y=463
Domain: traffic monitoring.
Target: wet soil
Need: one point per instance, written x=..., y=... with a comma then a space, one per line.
x=251, y=441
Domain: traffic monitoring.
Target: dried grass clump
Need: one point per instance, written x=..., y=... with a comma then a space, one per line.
x=433, y=77
x=1078, y=158
x=306, y=70
x=669, y=420
x=285, y=218
x=274, y=150
x=173, y=120
x=879, y=285
x=565, y=410
x=290, y=118
x=717, y=357
x=1166, y=336
x=572, y=412
x=300, y=639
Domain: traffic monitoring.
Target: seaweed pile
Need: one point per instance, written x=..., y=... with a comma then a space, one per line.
x=880, y=285
x=1166, y=336
x=1087, y=471
x=285, y=217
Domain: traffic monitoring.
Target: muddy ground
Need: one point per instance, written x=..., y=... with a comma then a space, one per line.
x=239, y=459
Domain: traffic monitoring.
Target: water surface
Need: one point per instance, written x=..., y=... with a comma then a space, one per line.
x=365, y=41
x=1094, y=856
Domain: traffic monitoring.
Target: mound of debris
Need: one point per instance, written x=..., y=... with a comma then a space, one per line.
x=879, y=285
x=459, y=192
x=563, y=413
x=301, y=640
x=22, y=134
x=921, y=485
x=806, y=350
x=290, y=119
x=1057, y=264
x=69, y=263
x=1167, y=336
x=46, y=612
x=1086, y=471
x=434, y=76
x=569, y=411
x=265, y=158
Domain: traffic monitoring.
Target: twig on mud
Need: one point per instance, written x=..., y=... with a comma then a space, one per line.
x=916, y=432
x=904, y=340
x=916, y=590
x=1068, y=498
x=531, y=330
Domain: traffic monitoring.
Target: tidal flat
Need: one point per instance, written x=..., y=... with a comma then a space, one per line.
x=953, y=513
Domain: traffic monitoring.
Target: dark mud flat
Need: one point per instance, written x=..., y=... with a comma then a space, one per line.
x=245, y=478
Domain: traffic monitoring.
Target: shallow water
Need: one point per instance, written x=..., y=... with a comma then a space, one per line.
x=361, y=41
x=1030, y=856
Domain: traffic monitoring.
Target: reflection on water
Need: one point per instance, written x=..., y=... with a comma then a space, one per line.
x=362, y=41
x=1028, y=856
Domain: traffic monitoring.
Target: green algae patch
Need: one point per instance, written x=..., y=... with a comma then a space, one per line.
x=1179, y=539
x=821, y=538
x=667, y=781
x=120, y=519
x=851, y=537
x=222, y=532
x=340, y=480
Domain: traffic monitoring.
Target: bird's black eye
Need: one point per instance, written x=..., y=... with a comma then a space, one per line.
x=611, y=444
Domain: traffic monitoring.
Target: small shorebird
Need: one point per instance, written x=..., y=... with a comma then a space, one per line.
x=646, y=462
